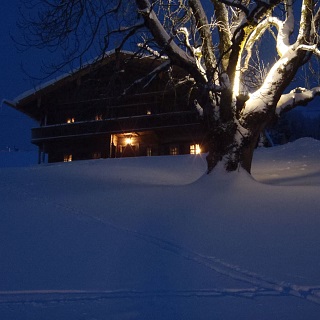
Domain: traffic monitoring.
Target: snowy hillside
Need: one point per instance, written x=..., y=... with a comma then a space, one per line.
x=154, y=238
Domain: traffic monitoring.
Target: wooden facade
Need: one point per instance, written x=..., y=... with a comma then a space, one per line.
x=85, y=115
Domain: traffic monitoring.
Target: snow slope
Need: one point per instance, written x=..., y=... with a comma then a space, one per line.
x=154, y=238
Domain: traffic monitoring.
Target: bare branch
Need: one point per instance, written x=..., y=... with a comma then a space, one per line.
x=145, y=81
x=242, y=33
x=225, y=43
x=196, y=52
x=282, y=38
x=305, y=22
x=311, y=48
x=206, y=36
x=78, y=29
x=174, y=52
x=317, y=20
x=237, y=4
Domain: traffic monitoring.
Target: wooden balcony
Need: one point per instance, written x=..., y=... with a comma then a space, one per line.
x=115, y=125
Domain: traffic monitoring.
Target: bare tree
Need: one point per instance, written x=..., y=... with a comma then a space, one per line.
x=241, y=82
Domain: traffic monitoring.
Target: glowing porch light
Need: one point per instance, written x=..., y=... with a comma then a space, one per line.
x=198, y=149
x=128, y=140
x=70, y=120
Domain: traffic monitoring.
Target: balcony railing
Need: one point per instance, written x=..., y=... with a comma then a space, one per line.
x=115, y=125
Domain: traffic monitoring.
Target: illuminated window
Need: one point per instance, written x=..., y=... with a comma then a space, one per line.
x=149, y=151
x=174, y=151
x=98, y=117
x=67, y=158
x=195, y=149
x=70, y=120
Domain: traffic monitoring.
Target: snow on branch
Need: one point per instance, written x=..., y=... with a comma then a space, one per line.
x=285, y=29
x=312, y=48
x=253, y=38
x=296, y=97
x=153, y=52
x=196, y=52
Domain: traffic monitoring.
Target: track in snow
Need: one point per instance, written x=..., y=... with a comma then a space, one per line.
x=259, y=285
x=61, y=296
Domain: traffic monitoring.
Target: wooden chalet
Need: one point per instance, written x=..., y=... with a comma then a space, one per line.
x=84, y=115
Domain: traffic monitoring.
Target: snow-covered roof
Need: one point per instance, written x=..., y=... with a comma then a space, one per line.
x=22, y=102
x=64, y=76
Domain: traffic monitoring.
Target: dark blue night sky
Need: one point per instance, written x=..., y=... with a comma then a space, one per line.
x=15, y=127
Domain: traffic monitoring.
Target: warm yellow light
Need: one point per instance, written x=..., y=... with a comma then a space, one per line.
x=128, y=140
x=195, y=149
x=70, y=120
x=67, y=158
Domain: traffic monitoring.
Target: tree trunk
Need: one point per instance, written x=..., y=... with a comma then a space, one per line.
x=221, y=146
x=225, y=148
x=247, y=153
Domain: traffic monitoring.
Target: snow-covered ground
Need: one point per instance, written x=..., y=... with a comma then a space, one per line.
x=154, y=238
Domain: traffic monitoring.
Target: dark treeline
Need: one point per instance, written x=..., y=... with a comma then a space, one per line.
x=294, y=125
